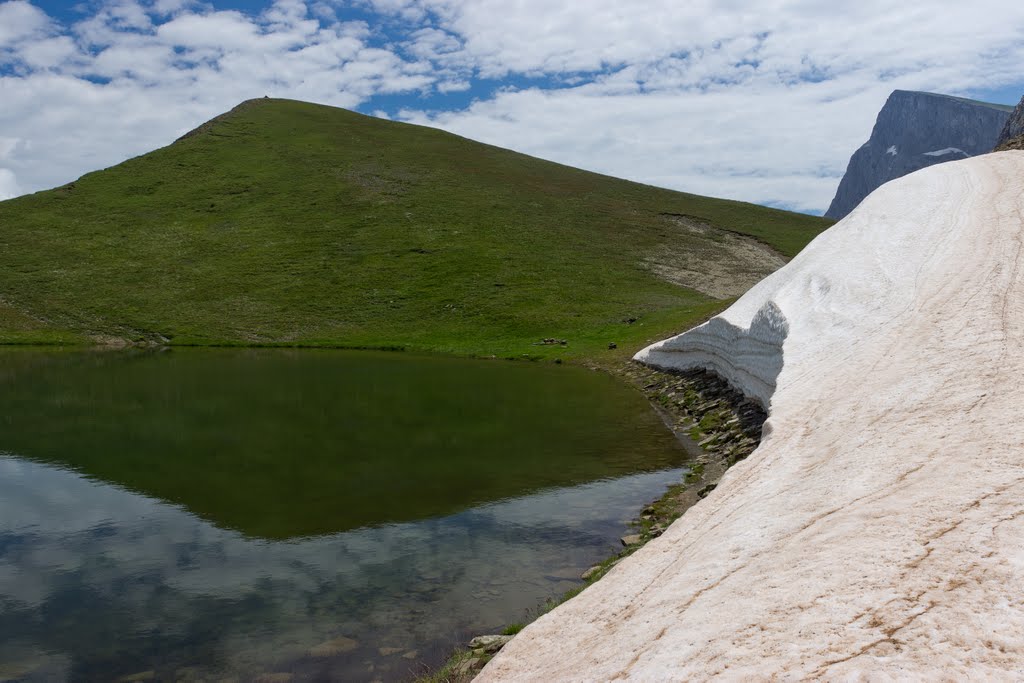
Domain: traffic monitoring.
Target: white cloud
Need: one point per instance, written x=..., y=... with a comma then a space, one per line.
x=324, y=10
x=453, y=86
x=20, y=20
x=727, y=142
x=220, y=30
x=125, y=80
x=165, y=7
x=47, y=53
x=540, y=36
x=431, y=43
x=758, y=101
x=8, y=184
x=114, y=18
x=7, y=147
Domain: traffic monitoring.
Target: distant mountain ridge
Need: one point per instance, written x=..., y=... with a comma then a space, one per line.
x=915, y=130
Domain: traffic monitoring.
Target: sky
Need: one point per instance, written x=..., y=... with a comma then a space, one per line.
x=762, y=101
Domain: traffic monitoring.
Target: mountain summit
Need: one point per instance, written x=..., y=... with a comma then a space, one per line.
x=915, y=130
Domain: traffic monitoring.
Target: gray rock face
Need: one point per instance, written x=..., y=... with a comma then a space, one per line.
x=1012, y=136
x=915, y=130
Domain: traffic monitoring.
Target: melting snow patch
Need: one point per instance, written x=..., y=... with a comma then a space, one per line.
x=889, y=348
x=944, y=152
x=891, y=150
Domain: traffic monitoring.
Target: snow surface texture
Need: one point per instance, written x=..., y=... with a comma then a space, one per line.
x=878, y=531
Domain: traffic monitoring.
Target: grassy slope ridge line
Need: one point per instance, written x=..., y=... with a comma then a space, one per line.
x=284, y=222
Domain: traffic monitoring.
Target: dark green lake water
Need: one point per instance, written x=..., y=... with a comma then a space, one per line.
x=208, y=514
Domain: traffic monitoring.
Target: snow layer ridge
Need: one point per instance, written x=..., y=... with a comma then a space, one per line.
x=750, y=359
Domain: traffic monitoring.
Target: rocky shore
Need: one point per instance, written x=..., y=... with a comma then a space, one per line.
x=714, y=422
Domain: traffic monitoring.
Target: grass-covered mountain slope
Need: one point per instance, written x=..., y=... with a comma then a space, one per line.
x=283, y=222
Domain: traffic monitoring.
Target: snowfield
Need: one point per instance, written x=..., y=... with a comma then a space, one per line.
x=878, y=531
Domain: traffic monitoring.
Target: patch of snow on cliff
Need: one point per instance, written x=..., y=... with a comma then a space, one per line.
x=891, y=150
x=944, y=152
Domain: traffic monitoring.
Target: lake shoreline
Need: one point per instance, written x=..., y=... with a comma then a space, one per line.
x=240, y=450
x=716, y=425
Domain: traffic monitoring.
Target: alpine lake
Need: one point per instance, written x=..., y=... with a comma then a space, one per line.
x=206, y=515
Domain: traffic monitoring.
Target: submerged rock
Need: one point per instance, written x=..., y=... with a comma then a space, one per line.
x=138, y=677
x=333, y=647
x=877, y=532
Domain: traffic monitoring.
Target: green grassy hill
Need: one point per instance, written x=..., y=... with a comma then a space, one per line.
x=283, y=222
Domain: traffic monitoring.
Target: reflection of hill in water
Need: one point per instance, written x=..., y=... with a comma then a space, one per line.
x=97, y=582
x=280, y=444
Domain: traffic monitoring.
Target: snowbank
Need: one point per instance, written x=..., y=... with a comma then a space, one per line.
x=879, y=528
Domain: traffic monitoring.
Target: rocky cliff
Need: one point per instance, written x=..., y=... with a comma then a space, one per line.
x=915, y=130
x=1012, y=136
x=877, y=532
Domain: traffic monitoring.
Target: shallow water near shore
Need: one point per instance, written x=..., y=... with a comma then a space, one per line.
x=209, y=514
